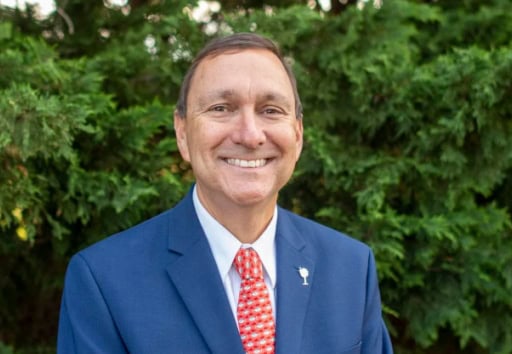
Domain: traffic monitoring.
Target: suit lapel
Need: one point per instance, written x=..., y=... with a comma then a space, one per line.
x=291, y=295
x=194, y=274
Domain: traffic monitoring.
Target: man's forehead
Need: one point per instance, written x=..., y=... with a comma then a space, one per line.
x=256, y=55
x=234, y=51
x=269, y=94
x=256, y=64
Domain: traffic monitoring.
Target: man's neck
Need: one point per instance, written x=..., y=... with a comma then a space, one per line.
x=245, y=222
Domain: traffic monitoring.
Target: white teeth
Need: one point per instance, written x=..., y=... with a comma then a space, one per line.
x=247, y=163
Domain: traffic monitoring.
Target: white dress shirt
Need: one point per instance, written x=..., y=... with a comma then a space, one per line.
x=225, y=245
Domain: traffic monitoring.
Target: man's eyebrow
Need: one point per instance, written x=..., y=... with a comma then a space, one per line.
x=278, y=98
x=215, y=95
x=272, y=96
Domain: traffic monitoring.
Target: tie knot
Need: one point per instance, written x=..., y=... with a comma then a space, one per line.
x=248, y=264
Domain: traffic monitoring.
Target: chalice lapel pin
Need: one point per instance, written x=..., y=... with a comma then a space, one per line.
x=304, y=273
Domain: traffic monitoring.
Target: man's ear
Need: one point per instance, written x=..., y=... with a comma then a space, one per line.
x=180, y=125
x=299, y=133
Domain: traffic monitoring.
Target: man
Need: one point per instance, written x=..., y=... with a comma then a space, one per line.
x=226, y=270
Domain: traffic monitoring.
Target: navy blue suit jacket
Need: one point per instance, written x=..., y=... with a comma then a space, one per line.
x=155, y=288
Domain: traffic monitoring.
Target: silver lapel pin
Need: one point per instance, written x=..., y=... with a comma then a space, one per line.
x=304, y=273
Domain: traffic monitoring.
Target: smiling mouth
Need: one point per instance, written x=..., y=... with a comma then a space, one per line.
x=247, y=163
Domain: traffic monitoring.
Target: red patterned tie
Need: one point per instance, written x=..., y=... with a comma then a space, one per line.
x=254, y=311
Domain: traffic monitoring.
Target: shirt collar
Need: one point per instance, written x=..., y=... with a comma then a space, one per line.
x=225, y=245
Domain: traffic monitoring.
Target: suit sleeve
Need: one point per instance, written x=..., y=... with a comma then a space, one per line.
x=376, y=338
x=85, y=324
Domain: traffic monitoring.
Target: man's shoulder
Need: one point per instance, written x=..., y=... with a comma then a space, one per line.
x=322, y=235
x=132, y=241
x=150, y=234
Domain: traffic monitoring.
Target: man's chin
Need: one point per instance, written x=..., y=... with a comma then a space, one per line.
x=256, y=198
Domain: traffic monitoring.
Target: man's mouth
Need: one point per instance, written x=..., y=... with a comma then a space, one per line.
x=247, y=163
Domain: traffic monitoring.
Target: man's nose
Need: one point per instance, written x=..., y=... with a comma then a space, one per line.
x=249, y=130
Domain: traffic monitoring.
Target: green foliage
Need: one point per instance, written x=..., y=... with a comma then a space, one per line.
x=76, y=167
x=5, y=349
x=408, y=130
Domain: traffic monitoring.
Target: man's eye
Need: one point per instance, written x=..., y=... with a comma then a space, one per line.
x=219, y=108
x=271, y=110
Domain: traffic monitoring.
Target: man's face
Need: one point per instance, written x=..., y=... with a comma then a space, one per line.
x=240, y=134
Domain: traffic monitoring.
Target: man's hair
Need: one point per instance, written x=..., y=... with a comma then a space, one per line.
x=232, y=44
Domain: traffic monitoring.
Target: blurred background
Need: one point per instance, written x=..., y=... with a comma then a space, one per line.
x=408, y=146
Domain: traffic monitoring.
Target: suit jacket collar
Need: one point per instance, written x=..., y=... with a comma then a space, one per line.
x=292, y=295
